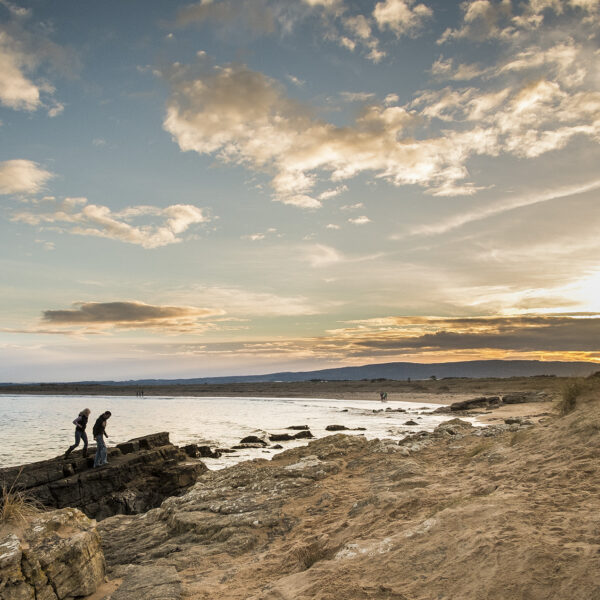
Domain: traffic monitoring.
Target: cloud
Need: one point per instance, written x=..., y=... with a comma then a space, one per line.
x=100, y=316
x=76, y=216
x=485, y=212
x=250, y=303
x=25, y=51
x=320, y=255
x=21, y=176
x=401, y=16
x=244, y=117
x=427, y=339
x=362, y=220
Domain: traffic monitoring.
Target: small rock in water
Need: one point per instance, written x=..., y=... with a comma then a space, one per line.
x=298, y=427
x=411, y=423
x=253, y=439
x=336, y=428
x=304, y=435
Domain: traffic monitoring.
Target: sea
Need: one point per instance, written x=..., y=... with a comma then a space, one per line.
x=39, y=427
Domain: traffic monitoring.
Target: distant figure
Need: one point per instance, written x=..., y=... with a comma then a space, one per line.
x=80, y=424
x=383, y=396
x=99, y=432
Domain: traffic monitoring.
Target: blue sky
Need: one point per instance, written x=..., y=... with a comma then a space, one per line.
x=239, y=187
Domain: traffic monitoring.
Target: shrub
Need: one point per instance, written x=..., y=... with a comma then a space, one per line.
x=569, y=397
x=16, y=505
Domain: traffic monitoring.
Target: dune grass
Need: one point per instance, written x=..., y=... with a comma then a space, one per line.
x=16, y=505
x=570, y=393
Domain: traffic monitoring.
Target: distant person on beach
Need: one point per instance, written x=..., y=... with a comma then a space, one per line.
x=80, y=424
x=99, y=432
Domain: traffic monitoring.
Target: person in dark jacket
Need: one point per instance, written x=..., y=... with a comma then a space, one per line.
x=80, y=424
x=99, y=433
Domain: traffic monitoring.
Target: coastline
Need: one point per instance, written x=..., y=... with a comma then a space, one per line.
x=441, y=391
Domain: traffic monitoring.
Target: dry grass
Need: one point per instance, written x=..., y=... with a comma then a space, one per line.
x=309, y=554
x=570, y=393
x=16, y=505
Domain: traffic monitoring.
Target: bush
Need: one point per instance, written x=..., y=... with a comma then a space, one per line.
x=569, y=397
x=16, y=505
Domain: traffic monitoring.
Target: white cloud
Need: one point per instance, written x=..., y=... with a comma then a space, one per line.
x=17, y=91
x=502, y=206
x=22, y=177
x=332, y=226
x=76, y=216
x=250, y=303
x=362, y=220
x=320, y=255
x=401, y=16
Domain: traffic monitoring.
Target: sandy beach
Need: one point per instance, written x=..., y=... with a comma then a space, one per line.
x=442, y=391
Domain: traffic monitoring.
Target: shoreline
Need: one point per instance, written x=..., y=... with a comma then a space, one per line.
x=442, y=391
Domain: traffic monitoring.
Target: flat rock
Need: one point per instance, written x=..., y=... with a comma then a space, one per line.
x=140, y=474
x=149, y=583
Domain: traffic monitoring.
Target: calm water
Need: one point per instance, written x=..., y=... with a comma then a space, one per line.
x=35, y=428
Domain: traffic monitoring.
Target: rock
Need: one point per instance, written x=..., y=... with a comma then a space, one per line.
x=253, y=439
x=522, y=398
x=280, y=437
x=303, y=435
x=336, y=428
x=300, y=427
x=411, y=423
x=56, y=556
x=453, y=427
x=277, y=447
x=359, y=429
x=150, y=583
x=248, y=445
x=140, y=474
x=480, y=402
x=206, y=452
x=517, y=421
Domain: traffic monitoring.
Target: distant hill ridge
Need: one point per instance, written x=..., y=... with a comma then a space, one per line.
x=400, y=371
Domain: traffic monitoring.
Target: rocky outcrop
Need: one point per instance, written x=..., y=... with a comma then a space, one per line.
x=480, y=402
x=462, y=512
x=140, y=474
x=56, y=556
x=523, y=397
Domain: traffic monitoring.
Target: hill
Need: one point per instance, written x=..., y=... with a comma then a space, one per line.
x=403, y=371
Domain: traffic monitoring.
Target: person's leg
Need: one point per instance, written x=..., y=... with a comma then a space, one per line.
x=98, y=457
x=103, y=455
x=72, y=447
x=85, y=443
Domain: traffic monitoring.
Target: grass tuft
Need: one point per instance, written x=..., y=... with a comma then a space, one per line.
x=570, y=393
x=16, y=505
x=309, y=554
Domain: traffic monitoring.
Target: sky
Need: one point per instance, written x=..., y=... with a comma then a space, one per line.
x=247, y=186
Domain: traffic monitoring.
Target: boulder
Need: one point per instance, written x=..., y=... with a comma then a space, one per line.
x=280, y=437
x=56, y=556
x=336, y=428
x=298, y=427
x=517, y=421
x=253, y=439
x=480, y=402
x=522, y=398
x=140, y=474
x=303, y=435
x=411, y=422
